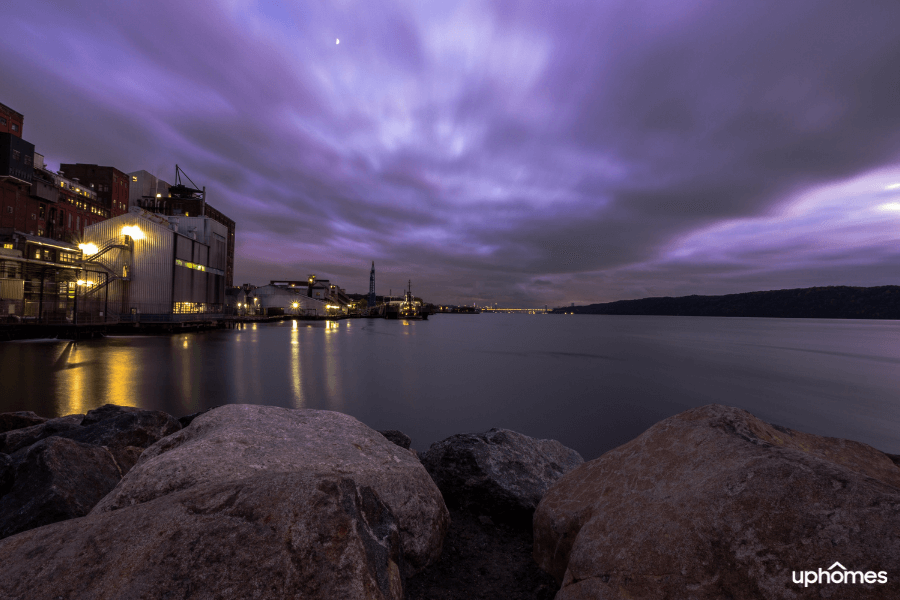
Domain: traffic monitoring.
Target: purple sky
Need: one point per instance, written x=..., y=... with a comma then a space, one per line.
x=524, y=153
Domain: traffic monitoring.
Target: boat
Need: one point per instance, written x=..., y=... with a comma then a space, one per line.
x=410, y=308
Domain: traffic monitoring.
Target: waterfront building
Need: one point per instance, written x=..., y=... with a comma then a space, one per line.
x=16, y=174
x=109, y=183
x=239, y=300
x=289, y=298
x=157, y=196
x=144, y=186
x=152, y=267
x=38, y=277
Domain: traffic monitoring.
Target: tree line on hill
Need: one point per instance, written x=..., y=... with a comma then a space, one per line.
x=833, y=302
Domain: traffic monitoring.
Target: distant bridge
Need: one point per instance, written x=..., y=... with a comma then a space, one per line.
x=528, y=311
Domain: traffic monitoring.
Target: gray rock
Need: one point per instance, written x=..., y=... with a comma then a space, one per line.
x=273, y=535
x=13, y=440
x=107, y=411
x=57, y=479
x=235, y=442
x=501, y=473
x=188, y=419
x=121, y=429
x=398, y=437
x=715, y=503
x=7, y=473
x=19, y=420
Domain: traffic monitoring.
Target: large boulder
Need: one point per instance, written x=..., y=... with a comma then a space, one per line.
x=7, y=473
x=107, y=411
x=715, y=503
x=16, y=439
x=124, y=430
x=57, y=479
x=236, y=442
x=500, y=472
x=19, y=420
x=269, y=536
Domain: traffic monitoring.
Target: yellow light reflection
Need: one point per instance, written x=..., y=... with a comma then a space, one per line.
x=296, y=380
x=121, y=378
x=71, y=381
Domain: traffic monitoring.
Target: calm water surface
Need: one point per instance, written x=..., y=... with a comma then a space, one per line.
x=592, y=382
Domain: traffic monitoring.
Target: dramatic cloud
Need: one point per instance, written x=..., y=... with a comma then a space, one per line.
x=522, y=153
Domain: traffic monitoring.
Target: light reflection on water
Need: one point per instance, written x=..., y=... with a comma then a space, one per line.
x=592, y=382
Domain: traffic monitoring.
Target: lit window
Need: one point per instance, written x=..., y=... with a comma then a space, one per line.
x=8, y=246
x=134, y=177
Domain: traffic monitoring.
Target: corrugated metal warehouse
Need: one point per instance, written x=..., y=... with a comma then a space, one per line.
x=161, y=268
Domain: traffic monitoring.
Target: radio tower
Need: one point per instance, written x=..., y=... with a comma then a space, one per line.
x=371, y=302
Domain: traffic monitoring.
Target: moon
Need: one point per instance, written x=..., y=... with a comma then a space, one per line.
x=337, y=41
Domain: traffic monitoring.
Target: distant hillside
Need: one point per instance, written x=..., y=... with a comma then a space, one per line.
x=838, y=302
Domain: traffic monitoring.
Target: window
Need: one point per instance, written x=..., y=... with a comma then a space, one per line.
x=15, y=127
x=8, y=246
x=41, y=211
x=40, y=233
x=27, y=160
x=134, y=177
x=16, y=155
x=33, y=216
x=9, y=209
x=2, y=121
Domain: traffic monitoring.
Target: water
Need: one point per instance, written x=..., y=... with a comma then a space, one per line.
x=592, y=382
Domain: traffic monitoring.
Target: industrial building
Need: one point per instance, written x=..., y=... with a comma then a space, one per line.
x=154, y=268
x=109, y=183
x=157, y=196
x=38, y=277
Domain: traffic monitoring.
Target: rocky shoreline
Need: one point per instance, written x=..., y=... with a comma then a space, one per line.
x=248, y=501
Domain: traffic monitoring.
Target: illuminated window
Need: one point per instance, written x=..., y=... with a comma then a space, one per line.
x=8, y=246
x=134, y=177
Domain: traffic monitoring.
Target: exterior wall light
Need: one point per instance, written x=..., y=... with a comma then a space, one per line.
x=134, y=231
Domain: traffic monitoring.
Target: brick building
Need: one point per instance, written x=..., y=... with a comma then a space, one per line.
x=110, y=184
x=10, y=121
x=16, y=174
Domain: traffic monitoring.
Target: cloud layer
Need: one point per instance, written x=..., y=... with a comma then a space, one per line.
x=509, y=152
